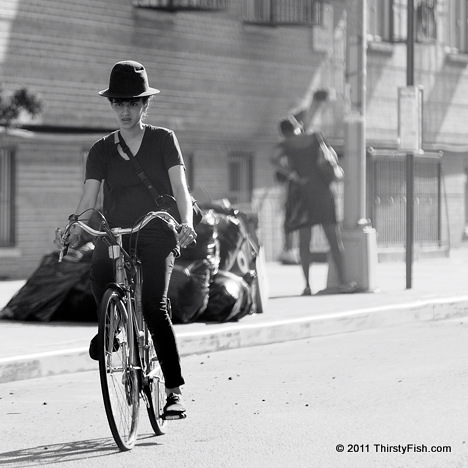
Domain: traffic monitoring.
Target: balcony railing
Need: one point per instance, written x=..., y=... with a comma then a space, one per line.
x=176, y=5
x=283, y=12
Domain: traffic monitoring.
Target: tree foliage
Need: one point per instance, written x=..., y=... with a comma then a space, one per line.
x=12, y=105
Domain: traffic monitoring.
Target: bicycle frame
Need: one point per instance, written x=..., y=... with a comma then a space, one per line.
x=114, y=238
x=117, y=253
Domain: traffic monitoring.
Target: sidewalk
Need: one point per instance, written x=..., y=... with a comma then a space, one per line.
x=31, y=349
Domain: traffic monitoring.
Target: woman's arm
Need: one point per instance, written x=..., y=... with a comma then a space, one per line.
x=88, y=201
x=309, y=107
x=184, y=204
x=89, y=197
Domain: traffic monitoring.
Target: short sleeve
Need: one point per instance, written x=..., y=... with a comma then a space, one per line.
x=172, y=152
x=95, y=163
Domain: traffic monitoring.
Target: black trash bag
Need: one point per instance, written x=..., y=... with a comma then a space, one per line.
x=230, y=298
x=240, y=247
x=79, y=304
x=189, y=290
x=207, y=245
x=54, y=289
x=230, y=234
x=193, y=270
x=237, y=233
x=250, y=223
x=222, y=206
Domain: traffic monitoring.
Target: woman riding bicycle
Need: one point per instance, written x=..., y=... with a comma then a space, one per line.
x=127, y=199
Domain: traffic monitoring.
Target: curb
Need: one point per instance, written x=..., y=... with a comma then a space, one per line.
x=232, y=335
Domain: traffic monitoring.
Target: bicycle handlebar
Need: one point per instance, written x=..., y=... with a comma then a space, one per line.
x=162, y=215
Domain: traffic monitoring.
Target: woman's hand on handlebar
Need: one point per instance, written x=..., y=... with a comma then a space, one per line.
x=74, y=236
x=70, y=238
x=186, y=235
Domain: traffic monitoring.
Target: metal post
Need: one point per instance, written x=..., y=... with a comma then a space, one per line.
x=439, y=203
x=410, y=155
x=409, y=218
x=355, y=121
x=410, y=45
x=359, y=238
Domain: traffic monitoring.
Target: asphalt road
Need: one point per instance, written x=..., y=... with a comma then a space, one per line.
x=284, y=405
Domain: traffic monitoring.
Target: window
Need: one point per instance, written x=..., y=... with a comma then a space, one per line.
x=379, y=20
x=457, y=37
x=240, y=177
x=174, y=5
x=283, y=12
x=7, y=198
x=387, y=20
x=399, y=19
x=425, y=19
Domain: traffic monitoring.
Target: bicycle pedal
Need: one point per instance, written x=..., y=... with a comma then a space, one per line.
x=173, y=416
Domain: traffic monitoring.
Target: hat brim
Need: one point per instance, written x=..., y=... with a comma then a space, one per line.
x=109, y=94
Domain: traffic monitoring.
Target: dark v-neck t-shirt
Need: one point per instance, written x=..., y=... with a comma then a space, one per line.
x=126, y=198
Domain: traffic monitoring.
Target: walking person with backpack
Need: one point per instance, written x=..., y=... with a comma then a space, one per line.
x=310, y=200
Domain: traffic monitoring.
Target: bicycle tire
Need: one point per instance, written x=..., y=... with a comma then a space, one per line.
x=155, y=388
x=119, y=382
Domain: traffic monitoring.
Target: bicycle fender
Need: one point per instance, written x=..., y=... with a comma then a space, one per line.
x=118, y=288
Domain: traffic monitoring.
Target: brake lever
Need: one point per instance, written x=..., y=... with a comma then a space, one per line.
x=63, y=246
x=63, y=252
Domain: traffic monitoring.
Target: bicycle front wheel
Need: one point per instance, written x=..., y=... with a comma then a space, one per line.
x=119, y=380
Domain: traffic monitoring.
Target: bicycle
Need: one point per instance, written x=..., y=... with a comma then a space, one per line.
x=128, y=366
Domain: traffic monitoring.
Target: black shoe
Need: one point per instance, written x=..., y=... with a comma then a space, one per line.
x=174, y=408
x=94, y=347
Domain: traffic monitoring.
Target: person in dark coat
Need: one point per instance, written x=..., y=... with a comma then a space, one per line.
x=311, y=200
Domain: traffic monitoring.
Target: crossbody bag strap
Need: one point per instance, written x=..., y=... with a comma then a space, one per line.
x=139, y=170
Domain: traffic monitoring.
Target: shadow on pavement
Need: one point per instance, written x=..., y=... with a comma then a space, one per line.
x=67, y=451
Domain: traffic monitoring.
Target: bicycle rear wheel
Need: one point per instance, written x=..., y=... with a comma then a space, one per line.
x=119, y=380
x=155, y=388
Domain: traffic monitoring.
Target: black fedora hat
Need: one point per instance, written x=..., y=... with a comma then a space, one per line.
x=128, y=79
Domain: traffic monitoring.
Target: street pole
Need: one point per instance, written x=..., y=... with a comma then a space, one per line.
x=359, y=238
x=355, y=119
x=410, y=154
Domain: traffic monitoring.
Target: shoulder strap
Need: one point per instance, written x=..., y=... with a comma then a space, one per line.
x=139, y=170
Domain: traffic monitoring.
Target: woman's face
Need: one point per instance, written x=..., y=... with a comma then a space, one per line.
x=128, y=113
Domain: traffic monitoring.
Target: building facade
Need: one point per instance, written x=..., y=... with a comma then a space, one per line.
x=228, y=71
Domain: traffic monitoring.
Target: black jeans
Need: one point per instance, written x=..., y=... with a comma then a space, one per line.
x=157, y=260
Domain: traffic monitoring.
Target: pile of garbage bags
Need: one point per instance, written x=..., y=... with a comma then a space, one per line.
x=215, y=281
x=56, y=291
